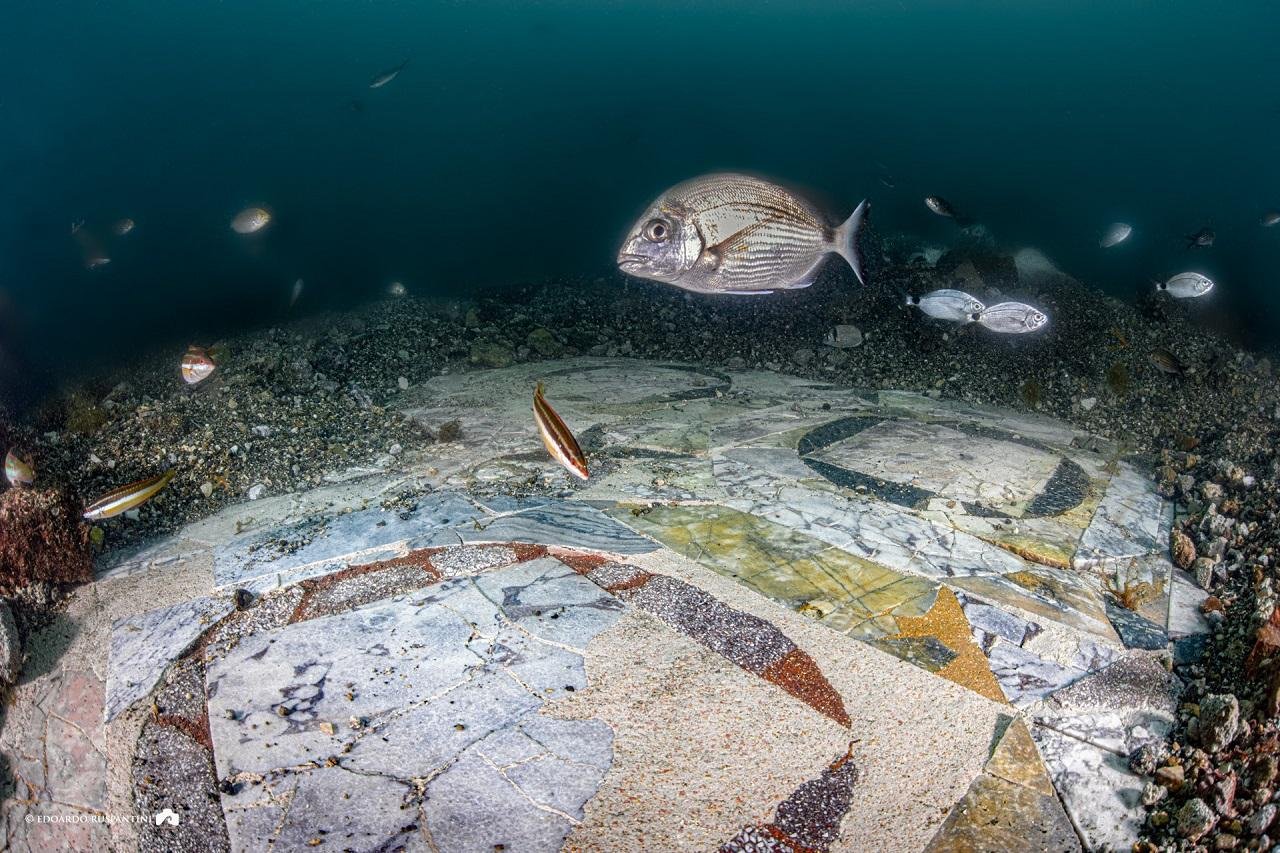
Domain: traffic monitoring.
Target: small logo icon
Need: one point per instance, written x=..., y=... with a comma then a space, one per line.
x=168, y=816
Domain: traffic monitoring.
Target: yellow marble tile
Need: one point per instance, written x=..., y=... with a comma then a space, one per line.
x=997, y=815
x=946, y=622
x=1017, y=760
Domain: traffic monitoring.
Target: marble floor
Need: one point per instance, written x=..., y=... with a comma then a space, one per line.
x=779, y=615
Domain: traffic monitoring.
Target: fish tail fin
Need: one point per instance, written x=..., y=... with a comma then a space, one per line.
x=846, y=239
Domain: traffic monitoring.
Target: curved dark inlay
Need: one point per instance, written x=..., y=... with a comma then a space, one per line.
x=833, y=431
x=1065, y=489
x=722, y=382
x=897, y=493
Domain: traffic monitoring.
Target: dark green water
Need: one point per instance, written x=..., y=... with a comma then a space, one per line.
x=523, y=138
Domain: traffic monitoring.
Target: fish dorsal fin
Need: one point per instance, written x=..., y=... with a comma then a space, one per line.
x=735, y=242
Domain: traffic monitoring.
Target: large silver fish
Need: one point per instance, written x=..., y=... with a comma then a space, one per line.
x=954, y=305
x=1186, y=285
x=730, y=233
x=1012, y=318
x=1116, y=234
x=1270, y=218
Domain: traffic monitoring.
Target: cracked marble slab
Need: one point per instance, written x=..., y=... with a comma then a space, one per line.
x=143, y=646
x=288, y=553
x=444, y=684
x=1102, y=796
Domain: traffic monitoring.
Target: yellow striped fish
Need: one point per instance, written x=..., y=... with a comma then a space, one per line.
x=729, y=233
x=127, y=497
x=559, y=442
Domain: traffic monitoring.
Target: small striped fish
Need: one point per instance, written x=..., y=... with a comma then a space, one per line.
x=127, y=497
x=196, y=366
x=559, y=442
x=17, y=470
x=729, y=233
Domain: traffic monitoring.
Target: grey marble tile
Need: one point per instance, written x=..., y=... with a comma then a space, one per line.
x=1025, y=677
x=1185, y=598
x=1099, y=791
x=1131, y=520
x=143, y=646
x=292, y=552
x=570, y=524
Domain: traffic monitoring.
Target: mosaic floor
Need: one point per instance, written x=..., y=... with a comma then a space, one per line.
x=779, y=616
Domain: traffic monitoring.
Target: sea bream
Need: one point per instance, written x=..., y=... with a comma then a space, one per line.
x=1011, y=318
x=940, y=206
x=251, y=220
x=1270, y=218
x=954, y=305
x=1186, y=285
x=731, y=233
x=1116, y=234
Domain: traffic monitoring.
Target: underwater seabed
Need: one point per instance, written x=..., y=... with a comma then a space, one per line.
x=778, y=613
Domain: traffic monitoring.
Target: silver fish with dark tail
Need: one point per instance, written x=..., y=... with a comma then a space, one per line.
x=1202, y=239
x=125, y=498
x=731, y=233
x=1012, y=318
x=1186, y=285
x=954, y=305
x=251, y=220
x=1270, y=218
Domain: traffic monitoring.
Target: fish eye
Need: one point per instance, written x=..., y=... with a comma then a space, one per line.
x=657, y=230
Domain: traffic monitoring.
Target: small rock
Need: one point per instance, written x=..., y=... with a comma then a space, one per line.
x=1225, y=841
x=1144, y=759
x=403, y=382
x=1182, y=549
x=1170, y=777
x=1152, y=794
x=395, y=449
x=1262, y=818
x=1219, y=720
x=206, y=489
x=802, y=356
x=492, y=354
x=261, y=431
x=256, y=491
x=543, y=342
x=10, y=646
x=1087, y=403
x=1202, y=568
x=328, y=728
x=1194, y=819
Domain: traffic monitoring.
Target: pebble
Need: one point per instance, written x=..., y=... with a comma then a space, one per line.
x=403, y=382
x=1194, y=819
x=261, y=431
x=1261, y=820
x=256, y=491
x=1087, y=403
x=844, y=336
x=206, y=489
x=1170, y=777
x=1219, y=720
